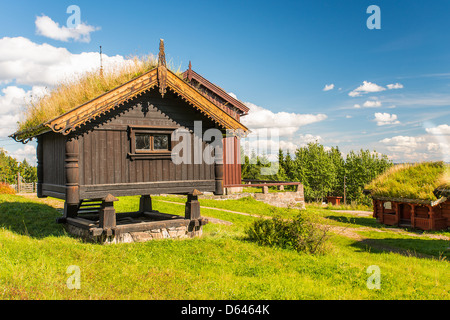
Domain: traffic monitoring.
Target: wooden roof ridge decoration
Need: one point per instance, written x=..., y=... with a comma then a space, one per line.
x=190, y=74
x=161, y=77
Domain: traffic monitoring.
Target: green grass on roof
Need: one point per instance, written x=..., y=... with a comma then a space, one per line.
x=412, y=181
x=77, y=90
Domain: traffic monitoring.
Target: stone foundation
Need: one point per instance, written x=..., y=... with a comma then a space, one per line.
x=136, y=236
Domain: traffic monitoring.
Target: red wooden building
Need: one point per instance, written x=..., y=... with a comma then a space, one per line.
x=414, y=213
x=233, y=107
x=412, y=195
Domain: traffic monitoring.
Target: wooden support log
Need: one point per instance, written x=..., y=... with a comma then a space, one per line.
x=145, y=204
x=70, y=211
x=107, y=218
x=192, y=209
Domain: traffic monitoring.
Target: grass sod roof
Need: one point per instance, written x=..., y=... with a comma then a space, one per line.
x=412, y=181
x=73, y=92
x=69, y=96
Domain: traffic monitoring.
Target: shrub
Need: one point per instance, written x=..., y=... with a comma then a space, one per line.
x=6, y=189
x=300, y=234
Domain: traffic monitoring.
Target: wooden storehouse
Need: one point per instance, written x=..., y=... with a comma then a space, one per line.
x=121, y=144
x=411, y=206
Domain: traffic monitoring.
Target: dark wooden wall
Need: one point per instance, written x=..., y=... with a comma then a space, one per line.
x=105, y=167
x=53, y=160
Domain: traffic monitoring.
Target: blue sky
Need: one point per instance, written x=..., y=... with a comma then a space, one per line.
x=276, y=56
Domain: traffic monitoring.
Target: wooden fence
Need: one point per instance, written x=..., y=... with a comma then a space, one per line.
x=23, y=187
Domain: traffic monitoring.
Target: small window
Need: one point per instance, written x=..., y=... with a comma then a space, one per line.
x=161, y=142
x=150, y=142
x=142, y=141
x=388, y=205
x=145, y=142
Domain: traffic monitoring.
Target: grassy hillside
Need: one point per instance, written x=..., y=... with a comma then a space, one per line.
x=35, y=253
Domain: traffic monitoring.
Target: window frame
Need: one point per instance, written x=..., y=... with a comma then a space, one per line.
x=151, y=153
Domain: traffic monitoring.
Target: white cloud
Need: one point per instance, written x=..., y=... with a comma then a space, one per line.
x=8, y=124
x=357, y=106
x=304, y=139
x=29, y=63
x=442, y=129
x=14, y=98
x=366, y=87
x=394, y=86
x=46, y=27
x=385, y=119
x=328, y=87
x=372, y=104
x=12, y=102
x=348, y=116
x=28, y=152
x=404, y=144
x=260, y=119
x=431, y=146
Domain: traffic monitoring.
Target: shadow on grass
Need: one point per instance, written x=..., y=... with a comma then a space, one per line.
x=30, y=218
x=420, y=248
x=360, y=221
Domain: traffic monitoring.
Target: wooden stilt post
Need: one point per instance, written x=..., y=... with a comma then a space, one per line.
x=192, y=210
x=145, y=204
x=107, y=219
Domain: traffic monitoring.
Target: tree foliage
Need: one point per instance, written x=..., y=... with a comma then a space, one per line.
x=9, y=167
x=322, y=171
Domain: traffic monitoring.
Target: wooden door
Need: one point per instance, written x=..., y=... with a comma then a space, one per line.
x=405, y=211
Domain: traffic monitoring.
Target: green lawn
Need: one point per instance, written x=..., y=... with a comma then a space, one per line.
x=35, y=253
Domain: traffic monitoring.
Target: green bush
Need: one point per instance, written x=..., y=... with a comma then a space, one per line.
x=300, y=234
